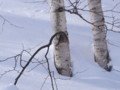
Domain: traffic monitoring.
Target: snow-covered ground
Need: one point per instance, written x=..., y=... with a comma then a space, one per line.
x=33, y=29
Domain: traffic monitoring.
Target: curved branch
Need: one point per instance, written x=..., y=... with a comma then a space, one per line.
x=45, y=46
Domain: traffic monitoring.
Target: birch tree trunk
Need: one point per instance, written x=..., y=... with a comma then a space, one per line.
x=101, y=53
x=62, y=57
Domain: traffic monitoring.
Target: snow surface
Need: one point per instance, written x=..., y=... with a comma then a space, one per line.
x=34, y=30
x=11, y=87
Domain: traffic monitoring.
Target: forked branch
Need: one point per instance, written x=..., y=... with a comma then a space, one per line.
x=36, y=52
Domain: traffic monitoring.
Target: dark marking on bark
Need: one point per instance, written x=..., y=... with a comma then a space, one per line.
x=59, y=70
x=108, y=59
x=95, y=58
x=62, y=38
x=103, y=19
x=108, y=68
x=93, y=10
x=60, y=9
x=66, y=60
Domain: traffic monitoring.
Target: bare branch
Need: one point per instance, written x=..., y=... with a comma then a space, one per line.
x=76, y=13
x=44, y=82
x=111, y=21
x=5, y=20
x=8, y=71
x=29, y=61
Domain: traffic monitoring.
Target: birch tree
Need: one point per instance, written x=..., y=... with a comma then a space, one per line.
x=62, y=57
x=101, y=53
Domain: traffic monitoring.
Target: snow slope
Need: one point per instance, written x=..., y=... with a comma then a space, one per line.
x=34, y=30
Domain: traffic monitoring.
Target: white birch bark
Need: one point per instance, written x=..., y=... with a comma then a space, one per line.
x=101, y=53
x=62, y=57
